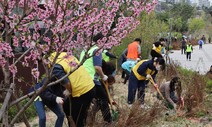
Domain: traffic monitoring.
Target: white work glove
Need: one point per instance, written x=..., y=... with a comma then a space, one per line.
x=105, y=78
x=59, y=100
x=148, y=76
x=137, y=60
x=66, y=93
x=153, y=47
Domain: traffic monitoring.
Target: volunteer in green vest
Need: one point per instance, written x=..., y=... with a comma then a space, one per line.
x=94, y=66
x=106, y=55
x=141, y=72
x=189, y=49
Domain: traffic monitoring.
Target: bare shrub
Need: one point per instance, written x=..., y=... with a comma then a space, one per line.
x=195, y=90
x=193, y=87
x=141, y=117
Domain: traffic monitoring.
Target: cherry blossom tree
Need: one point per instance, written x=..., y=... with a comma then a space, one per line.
x=66, y=25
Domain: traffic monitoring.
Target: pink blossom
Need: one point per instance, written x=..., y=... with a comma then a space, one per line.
x=13, y=69
x=15, y=41
x=62, y=22
x=2, y=61
x=73, y=64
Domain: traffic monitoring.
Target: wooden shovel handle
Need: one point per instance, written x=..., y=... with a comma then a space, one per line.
x=152, y=81
x=108, y=94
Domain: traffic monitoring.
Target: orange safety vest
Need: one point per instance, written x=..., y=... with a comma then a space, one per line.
x=132, y=52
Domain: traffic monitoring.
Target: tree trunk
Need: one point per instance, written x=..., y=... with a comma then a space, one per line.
x=6, y=100
x=6, y=74
x=19, y=108
x=5, y=122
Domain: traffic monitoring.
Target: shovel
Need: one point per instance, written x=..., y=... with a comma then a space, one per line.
x=153, y=82
x=114, y=113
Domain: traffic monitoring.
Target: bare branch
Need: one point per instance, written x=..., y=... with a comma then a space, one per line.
x=6, y=100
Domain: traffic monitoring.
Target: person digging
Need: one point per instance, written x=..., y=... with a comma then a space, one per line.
x=169, y=90
x=139, y=76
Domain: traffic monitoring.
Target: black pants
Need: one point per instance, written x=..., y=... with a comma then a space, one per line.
x=188, y=55
x=80, y=106
x=127, y=76
x=102, y=102
x=200, y=46
x=183, y=48
x=155, y=54
x=123, y=74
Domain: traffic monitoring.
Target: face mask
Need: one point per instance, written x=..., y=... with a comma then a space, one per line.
x=158, y=67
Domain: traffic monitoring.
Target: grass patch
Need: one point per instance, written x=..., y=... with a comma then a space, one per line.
x=30, y=112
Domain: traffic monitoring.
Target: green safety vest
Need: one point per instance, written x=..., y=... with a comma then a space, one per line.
x=105, y=57
x=88, y=64
x=189, y=48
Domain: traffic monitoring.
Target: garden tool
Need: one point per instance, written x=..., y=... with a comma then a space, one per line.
x=114, y=113
x=153, y=82
x=116, y=65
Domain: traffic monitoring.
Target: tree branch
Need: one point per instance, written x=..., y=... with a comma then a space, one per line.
x=6, y=100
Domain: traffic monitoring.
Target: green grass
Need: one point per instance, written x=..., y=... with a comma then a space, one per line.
x=30, y=112
x=209, y=85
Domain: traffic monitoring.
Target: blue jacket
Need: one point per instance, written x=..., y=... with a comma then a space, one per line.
x=200, y=42
x=50, y=94
x=128, y=65
x=147, y=64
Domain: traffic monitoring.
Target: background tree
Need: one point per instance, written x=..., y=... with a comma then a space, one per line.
x=183, y=11
x=208, y=10
x=196, y=24
x=177, y=24
x=56, y=26
x=179, y=13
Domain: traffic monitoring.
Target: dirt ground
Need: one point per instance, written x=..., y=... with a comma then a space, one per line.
x=168, y=118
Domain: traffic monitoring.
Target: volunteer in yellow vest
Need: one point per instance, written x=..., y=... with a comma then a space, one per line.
x=79, y=85
x=189, y=49
x=94, y=66
x=134, y=50
x=157, y=48
x=139, y=76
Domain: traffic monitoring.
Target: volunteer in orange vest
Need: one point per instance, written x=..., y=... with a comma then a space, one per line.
x=134, y=50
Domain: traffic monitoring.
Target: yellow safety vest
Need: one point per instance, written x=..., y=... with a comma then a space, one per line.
x=159, y=49
x=105, y=57
x=137, y=75
x=80, y=80
x=189, y=48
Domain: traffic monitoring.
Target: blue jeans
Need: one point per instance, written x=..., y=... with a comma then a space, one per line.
x=39, y=105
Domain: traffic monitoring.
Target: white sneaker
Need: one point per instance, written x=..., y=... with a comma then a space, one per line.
x=130, y=105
